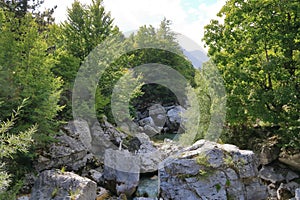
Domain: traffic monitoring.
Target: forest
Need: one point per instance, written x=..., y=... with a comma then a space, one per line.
x=255, y=48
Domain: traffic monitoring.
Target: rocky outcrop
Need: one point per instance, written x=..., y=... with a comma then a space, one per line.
x=211, y=171
x=77, y=144
x=118, y=164
x=54, y=184
x=71, y=150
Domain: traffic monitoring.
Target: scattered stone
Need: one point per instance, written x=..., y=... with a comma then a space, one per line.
x=151, y=130
x=102, y=194
x=269, y=151
x=80, y=129
x=287, y=190
x=272, y=191
x=175, y=113
x=291, y=176
x=96, y=176
x=283, y=192
x=270, y=173
x=115, y=136
x=256, y=190
x=158, y=114
x=24, y=197
x=54, y=184
x=147, y=121
x=146, y=145
x=291, y=160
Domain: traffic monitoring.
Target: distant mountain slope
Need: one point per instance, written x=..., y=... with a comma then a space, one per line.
x=197, y=57
x=192, y=50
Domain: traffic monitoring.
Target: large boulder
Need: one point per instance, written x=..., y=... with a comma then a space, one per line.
x=208, y=170
x=57, y=185
x=175, y=114
x=121, y=172
x=150, y=157
x=105, y=136
x=69, y=152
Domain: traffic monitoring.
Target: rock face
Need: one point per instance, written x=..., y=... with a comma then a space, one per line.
x=209, y=170
x=53, y=184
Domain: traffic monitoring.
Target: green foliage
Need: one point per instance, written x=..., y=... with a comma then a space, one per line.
x=11, y=144
x=117, y=59
x=86, y=27
x=54, y=192
x=26, y=72
x=218, y=187
x=257, y=51
x=202, y=159
x=228, y=160
x=228, y=183
x=207, y=106
x=13, y=191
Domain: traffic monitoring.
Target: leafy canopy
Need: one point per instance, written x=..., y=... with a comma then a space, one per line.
x=256, y=49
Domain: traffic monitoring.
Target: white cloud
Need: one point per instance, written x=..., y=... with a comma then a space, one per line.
x=131, y=14
x=189, y=21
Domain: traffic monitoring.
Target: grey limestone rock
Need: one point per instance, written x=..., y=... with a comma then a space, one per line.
x=208, y=170
x=56, y=185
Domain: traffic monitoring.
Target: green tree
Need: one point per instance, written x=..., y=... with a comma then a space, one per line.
x=11, y=144
x=207, y=106
x=257, y=51
x=86, y=27
x=26, y=72
x=157, y=41
x=22, y=7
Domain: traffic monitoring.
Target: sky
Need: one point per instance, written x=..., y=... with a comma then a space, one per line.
x=188, y=16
